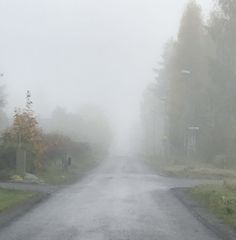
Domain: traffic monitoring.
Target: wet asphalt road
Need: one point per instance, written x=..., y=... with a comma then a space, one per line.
x=121, y=200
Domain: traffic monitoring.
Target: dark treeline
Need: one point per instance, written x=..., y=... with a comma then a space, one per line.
x=191, y=109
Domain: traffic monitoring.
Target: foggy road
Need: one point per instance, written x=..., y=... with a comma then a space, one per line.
x=122, y=199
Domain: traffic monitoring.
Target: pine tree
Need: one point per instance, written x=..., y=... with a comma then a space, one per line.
x=187, y=78
x=222, y=70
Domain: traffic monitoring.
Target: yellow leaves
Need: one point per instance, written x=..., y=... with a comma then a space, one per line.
x=25, y=132
x=17, y=178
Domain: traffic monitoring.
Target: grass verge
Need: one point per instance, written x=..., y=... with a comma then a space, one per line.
x=54, y=175
x=12, y=198
x=190, y=169
x=219, y=199
x=198, y=172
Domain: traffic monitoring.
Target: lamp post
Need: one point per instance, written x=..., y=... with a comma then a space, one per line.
x=192, y=140
x=165, y=140
x=192, y=130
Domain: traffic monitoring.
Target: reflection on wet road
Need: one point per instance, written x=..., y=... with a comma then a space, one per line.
x=121, y=200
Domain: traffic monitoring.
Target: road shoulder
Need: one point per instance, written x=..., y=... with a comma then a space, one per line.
x=203, y=215
x=43, y=192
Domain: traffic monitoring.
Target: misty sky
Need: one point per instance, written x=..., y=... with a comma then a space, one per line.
x=74, y=52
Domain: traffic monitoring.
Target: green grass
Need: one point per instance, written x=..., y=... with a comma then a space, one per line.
x=54, y=175
x=198, y=172
x=11, y=198
x=57, y=176
x=190, y=169
x=219, y=199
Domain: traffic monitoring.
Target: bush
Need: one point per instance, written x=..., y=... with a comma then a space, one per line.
x=7, y=157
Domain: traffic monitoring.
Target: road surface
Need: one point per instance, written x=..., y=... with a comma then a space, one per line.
x=121, y=200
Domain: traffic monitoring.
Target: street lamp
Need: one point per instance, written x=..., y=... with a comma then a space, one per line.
x=186, y=72
x=192, y=139
x=192, y=131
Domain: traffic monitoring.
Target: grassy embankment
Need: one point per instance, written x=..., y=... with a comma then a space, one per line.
x=207, y=172
x=219, y=199
x=55, y=175
x=12, y=198
x=189, y=169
